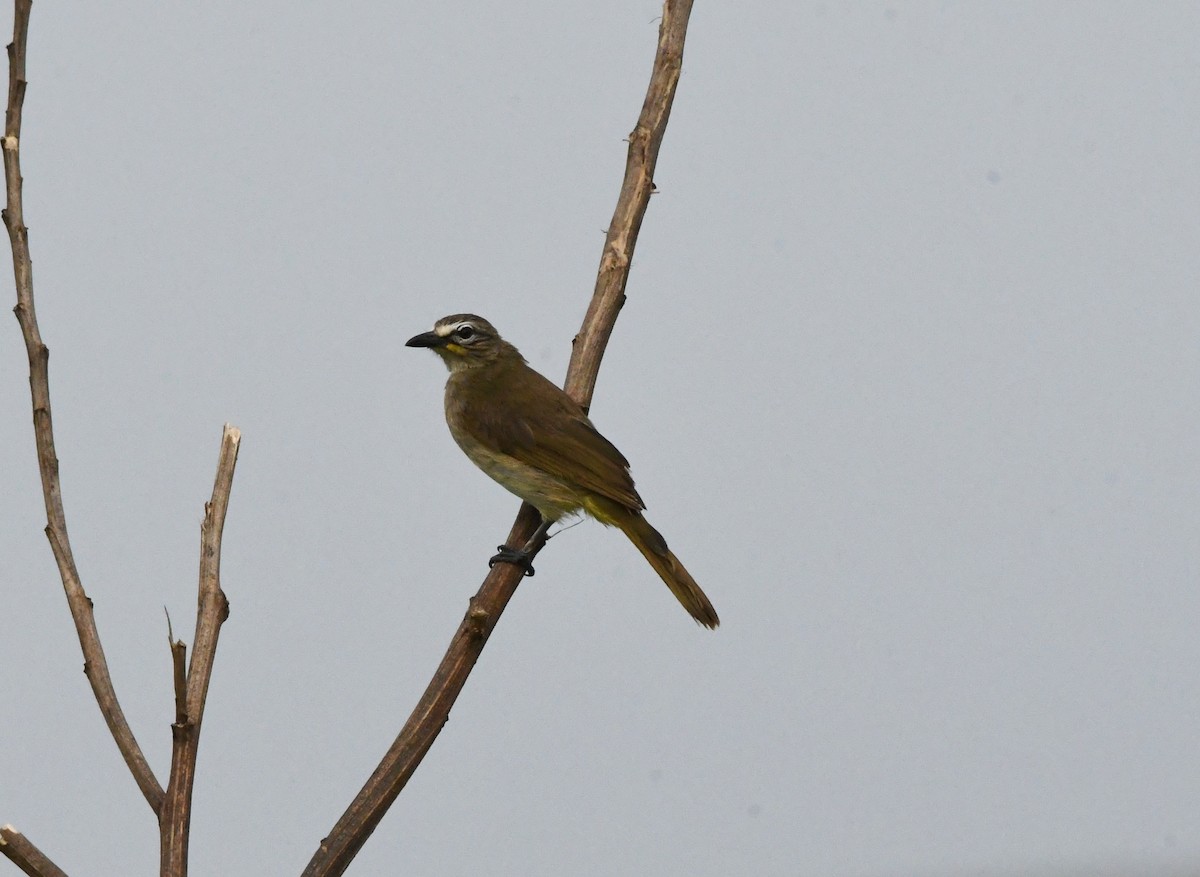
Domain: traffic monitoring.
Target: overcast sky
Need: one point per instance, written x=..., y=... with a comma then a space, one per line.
x=908, y=376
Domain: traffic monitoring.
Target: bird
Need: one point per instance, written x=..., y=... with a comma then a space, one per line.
x=537, y=442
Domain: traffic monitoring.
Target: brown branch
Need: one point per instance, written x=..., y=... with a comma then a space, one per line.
x=21, y=852
x=94, y=663
x=644, y=142
x=364, y=813
x=176, y=812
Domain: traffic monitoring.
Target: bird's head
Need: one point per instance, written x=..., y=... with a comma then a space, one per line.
x=462, y=341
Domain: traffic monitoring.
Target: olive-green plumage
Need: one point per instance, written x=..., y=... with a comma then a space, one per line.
x=536, y=441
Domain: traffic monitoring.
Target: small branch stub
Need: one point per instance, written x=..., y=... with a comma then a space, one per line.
x=178, y=672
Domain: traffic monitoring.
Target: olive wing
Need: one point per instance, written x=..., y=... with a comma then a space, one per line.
x=545, y=428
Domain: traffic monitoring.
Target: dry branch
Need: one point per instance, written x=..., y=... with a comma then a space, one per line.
x=174, y=806
x=175, y=817
x=21, y=852
x=94, y=663
x=364, y=813
x=644, y=142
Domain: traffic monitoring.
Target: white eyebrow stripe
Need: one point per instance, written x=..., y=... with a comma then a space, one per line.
x=442, y=331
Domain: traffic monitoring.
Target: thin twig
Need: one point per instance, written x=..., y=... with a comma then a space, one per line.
x=213, y=610
x=94, y=663
x=19, y=850
x=360, y=819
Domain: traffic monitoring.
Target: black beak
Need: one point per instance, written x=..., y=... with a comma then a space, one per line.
x=425, y=339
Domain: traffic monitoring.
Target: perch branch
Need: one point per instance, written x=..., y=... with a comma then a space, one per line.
x=365, y=812
x=94, y=663
x=213, y=609
x=21, y=852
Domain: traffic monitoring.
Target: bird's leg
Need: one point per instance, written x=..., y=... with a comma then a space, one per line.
x=523, y=556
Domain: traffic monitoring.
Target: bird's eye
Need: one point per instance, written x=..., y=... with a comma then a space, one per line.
x=465, y=333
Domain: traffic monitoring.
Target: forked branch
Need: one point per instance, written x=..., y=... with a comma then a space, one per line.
x=364, y=813
x=175, y=818
x=173, y=807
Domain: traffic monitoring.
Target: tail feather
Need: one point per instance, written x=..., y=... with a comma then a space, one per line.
x=654, y=549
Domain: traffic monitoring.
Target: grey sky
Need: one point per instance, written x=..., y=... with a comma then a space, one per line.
x=908, y=376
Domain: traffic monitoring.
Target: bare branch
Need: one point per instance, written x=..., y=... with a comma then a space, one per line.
x=94, y=663
x=644, y=143
x=360, y=819
x=21, y=852
x=176, y=813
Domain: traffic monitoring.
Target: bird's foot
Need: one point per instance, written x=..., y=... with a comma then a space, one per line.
x=516, y=556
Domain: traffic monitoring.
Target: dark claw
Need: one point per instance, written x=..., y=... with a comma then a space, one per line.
x=515, y=556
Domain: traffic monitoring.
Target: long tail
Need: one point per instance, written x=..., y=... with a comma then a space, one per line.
x=654, y=549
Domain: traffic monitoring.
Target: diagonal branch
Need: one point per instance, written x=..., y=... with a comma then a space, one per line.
x=365, y=812
x=21, y=852
x=176, y=813
x=644, y=142
x=94, y=664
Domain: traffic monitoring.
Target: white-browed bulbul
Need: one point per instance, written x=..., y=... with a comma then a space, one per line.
x=536, y=441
